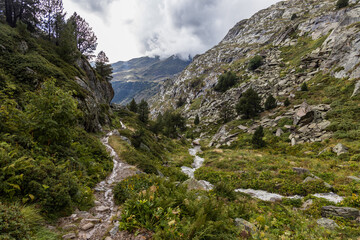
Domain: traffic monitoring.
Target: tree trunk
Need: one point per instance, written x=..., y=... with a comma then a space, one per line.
x=9, y=12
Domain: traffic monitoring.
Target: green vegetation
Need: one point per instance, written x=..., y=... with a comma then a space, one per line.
x=103, y=67
x=249, y=104
x=143, y=111
x=287, y=102
x=257, y=139
x=270, y=103
x=226, y=81
x=133, y=106
x=342, y=4
x=197, y=120
x=304, y=87
x=255, y=63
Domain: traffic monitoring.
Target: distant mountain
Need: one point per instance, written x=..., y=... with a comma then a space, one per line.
x=140, y=78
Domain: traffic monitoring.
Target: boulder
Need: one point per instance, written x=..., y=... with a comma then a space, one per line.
x=279, y=132
x=327, y=223
x=196, y=142
x=69, y=236
x=69, y=227
x=303, y=114
x=245, y=225
x=344, y=212
x=193, y=184
x=87, y=226
x=340, y=149
x=306, y=205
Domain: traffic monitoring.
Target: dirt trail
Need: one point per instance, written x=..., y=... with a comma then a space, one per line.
x=99, y=222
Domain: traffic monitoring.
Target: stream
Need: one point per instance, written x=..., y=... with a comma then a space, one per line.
x=259, y=194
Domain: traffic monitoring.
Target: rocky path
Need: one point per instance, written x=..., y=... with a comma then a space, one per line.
x=100, y=221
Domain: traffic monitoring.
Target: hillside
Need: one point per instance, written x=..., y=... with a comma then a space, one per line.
x=140, y=78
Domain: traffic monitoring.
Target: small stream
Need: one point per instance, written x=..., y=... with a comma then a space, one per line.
x=259, y=194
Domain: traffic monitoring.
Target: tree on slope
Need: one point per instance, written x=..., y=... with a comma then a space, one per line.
x=249, y=104
x=103, y=67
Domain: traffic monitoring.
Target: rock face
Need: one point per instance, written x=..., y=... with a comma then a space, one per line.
x=267, y=34
x=98, y=93
x=344, y=212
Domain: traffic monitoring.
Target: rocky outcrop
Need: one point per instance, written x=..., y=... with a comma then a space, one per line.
x=343, y=212
x=97, y=97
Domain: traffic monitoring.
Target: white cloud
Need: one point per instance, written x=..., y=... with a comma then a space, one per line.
x=128, y=29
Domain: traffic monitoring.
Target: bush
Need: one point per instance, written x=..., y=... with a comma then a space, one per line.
x=293, y=17
x=249, y=104
x=270, y=103
x=255, y=63
x=131, y=186
x=180, y=102
x=342, y=4
x=304, y=87
x=257, y=139
x=224, y=189
x=197, y=120
x=226, y=81
x=12, y=223
x=287, y=102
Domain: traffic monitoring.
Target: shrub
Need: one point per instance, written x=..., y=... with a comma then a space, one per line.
x=270, y=103
x=342, y=4
x=224, y=189
x=304, y=87
x=197, y=120
x=257, y=139
x=12, y=223
x=131, y=186
x=249, y=104
x=287, y=102
x=255, y=63
x=226, y=81
x=180, y=102
x=293, y=17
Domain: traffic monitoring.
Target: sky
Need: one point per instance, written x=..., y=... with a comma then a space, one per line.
x=128, y=29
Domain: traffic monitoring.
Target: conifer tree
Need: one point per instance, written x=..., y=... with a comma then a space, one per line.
x=197, y=120
x=270, y=103
x=133, y=106
x=143, y=111
x=257, y=138
x=249, y=104
x=103, y=67
x=304, y=87
x=287, y=102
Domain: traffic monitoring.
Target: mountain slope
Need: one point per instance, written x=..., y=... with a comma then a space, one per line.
x=139, y=78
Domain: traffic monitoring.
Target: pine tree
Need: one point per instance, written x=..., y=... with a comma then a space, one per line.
x=249, y=104
x=304, y=87
x=270, y=103
x=85, y=37
x=226, y=113
x=52, y=12
x=197, y=120
x=143, y=111
x=133, y=106
x=342, y=4
x=26, y=11
x=257, y=138
x=103, y=67
x=287, y=102
x=67, y=44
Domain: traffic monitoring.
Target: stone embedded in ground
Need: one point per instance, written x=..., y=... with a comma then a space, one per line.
x=196, y=142
x=102, y=209
x=327, y=223
x=193, y=184
x=301, y=170
x=69, y=227
x=245, y=225
x=344, y=212
x=87, y=226
x=279, y=132
x=340, y=149
x=306, y=205
x=93, y=220
x=69, y=236
x=354, y=178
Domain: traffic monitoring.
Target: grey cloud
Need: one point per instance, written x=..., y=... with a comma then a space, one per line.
x=97, y=6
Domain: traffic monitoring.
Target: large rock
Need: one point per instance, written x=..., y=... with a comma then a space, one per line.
x=245, y=225
x=87, y=226
x=301, y=170
x=340, y=149
x=193, y=184
x=327, y=223
x=304, y=115
x=344, y=212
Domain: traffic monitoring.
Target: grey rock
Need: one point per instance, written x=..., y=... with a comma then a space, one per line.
x=340, y=149
x=193, y=184
x=196, y=142
x=87, y=226
x=125, y=139
x=344, y=212
x=356, y=89
x=102, y=209
x=69, y=227
x=69, y=236
x=279, y=132
x=293, y=142
x=304, y=114
x=306, y=205
x=93, y=220
x=23, y=47
x=144, y=147
x=245, y=225
x=327, y=223
x=114, y=230
x=354, y=178
x=108, y=238
x=310, y=179
x=301, y=170
x=241, y=127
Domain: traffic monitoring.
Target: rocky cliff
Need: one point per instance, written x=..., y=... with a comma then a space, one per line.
x=299, y=41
